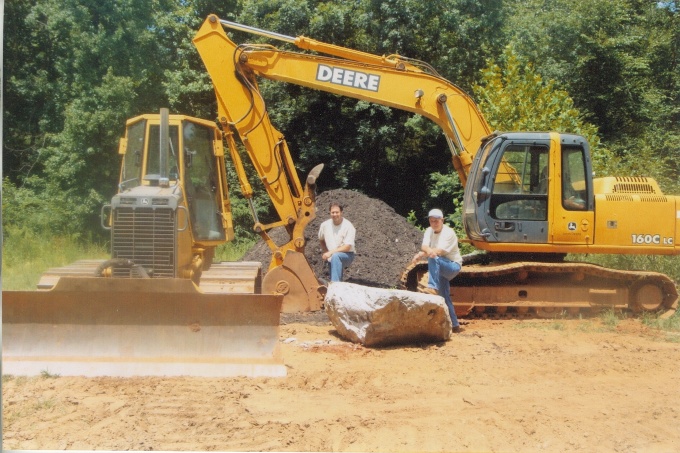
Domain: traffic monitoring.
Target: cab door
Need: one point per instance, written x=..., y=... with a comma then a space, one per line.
x=517, y=207
x=572, y=201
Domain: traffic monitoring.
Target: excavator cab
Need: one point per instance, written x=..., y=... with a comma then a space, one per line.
x=513, y=194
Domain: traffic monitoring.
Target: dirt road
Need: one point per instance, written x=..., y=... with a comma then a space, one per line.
x=507, y=385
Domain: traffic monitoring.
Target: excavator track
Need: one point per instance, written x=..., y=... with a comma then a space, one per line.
x=550, y=289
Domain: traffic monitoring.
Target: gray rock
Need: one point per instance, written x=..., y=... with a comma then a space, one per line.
x=380, y=317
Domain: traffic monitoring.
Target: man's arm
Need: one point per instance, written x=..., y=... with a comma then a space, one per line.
x=328, y=253
x=448, y=241
x=427, y=252
x=432, y=252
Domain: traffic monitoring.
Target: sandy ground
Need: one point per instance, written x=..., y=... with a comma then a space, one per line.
x=501, y=385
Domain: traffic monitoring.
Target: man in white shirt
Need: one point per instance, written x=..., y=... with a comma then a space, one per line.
x=336, y=236
x=440, y=247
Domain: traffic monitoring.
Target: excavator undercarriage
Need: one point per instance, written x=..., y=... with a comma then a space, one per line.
x=549, y=288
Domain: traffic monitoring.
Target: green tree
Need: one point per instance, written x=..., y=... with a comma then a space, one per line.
x=619, y=61
x=76, y=70
x=514, y=97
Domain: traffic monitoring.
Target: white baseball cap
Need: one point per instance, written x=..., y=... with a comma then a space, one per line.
x=437, y=213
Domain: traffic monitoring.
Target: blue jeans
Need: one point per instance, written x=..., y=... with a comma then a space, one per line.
x=441, y=271
x=339, y=261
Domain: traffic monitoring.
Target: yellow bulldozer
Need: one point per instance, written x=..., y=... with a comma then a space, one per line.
x=160, y=305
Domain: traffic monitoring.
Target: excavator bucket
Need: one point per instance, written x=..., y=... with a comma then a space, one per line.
x=139, y=327
x=296, y=280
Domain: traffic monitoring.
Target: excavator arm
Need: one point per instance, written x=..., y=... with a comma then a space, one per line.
x=392, y=81
x=242, y=112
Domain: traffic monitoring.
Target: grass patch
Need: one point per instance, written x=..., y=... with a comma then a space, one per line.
x=669, y=338
x=44, y=404
x=26, y=255
x=18, y=380
x=653, y=321
x=670, y=326
x=538, y=325
x=233, y=251
x=611, y=318
x=586, y=325
x=45, y=374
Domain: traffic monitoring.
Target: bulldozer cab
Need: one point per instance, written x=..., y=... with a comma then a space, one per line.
x=191, y=165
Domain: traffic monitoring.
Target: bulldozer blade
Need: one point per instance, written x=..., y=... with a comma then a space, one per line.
x=139, y=327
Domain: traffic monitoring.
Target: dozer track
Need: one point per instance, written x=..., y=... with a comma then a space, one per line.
x=79, y=324
x=549, y=289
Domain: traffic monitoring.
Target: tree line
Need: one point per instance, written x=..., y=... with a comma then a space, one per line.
x=75, y=70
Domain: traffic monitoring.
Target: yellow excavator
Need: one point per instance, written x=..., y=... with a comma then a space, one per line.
x=530, y=197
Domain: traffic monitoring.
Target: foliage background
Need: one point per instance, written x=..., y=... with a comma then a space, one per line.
x=75, y=70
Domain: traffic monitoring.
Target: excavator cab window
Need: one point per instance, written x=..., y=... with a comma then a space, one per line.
x=131, y=172
x=520, y=190
x=201, y=182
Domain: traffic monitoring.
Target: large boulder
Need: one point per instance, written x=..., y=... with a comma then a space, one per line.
x=380, y=317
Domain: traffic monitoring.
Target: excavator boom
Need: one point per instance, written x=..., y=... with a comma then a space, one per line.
x=390, y=81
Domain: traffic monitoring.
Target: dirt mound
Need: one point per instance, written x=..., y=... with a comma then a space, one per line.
x=385, y=241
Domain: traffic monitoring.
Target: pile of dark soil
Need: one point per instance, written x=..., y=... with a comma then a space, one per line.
x=385, y=241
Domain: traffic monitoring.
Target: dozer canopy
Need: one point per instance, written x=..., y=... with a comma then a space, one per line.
x=139, y=327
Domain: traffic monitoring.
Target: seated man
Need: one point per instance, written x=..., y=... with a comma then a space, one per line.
x=336, y=236
x=444, y=261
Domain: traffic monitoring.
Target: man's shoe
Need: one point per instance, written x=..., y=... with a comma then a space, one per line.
x=457, y=329
x=429, y=290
